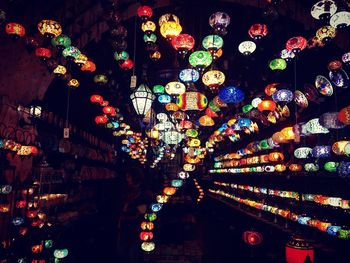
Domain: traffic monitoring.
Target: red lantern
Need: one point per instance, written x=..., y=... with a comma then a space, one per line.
x=4, y=208
x=43, y=53
x=101, y=119
x=96, y=99
x=183, y=43
x=296, y=44
x=109, y=110
x=258, y=31
x=127, y=64
x=252, y=238
x=297, y=250
x=294, y=167
x=23, y=231
x=271, y=89
x=146, y=236
x=37, y=248
x=21, y=204
x=145, y=12
x=15, y=29
x=211, y=113
x=32, y=213
x=89, y=66
x=344, y=115
x=34, y=150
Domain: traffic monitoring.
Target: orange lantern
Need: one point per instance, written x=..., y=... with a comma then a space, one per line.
x=288, y=133
x=271, y=89
x=147, y=226
x=206, y=121
x=88, y=66
x=171, y=107
x=294, y=167
x=15, y=29
x=278, y=138
x=96, y=98
x=252, y=238
x=109, y=110
x=169, y=190
x=267, y=105
x=276, y=156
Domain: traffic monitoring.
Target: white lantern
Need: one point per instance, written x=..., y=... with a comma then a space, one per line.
x=323, y=9
x=340, y=19
x=314, y=127
x=172, y=137
x=35, y=111
x=175, y=88
x=162, y=117
x=142, y=99
x=247, y=47
x=302, y=152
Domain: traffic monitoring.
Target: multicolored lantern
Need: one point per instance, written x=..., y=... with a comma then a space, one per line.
x=61, y=42
x=16, y=30
x=144, y=12
x=326, y=33
x=192, y=101
x=219, y=21
x=213, y=79
x=212, y=43
x=323, y=9
x=148, y=27
x=323, y=85
x=344, y=115
x=183, y=43
x=258, y=31
x=189, y=75
x=175, y=88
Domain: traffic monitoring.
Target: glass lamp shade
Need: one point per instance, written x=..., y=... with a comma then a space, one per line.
x=189, y=75
x=89, y=66
x=100, y=79
x=127, y=64
x=183, y=43
x=155, y=55
x=212, y=42
x=183, y=175
x=334, y=65
x=152, y=38
x=258, y=31
x=339, y=78
x=271, y=89
x=148, y=246
x=247, y=47
x=108, y=110
x=278, y=64
x=326, y=33
x=60, y=253
x=171, y=107
x=206, y=121
x=144, y=12
x=313, y=126
x=162, y=117
x=266, y=105
x=15, y=29
x=71, y=52
x=60, y=70
x=300, y=99
x=213, y=79
x=340, y=19
x=175, y=88
x=200, y=59
x=185, y=124
x=287, y=55
x=192, y=101
x=283, y=95
x=148, y=27
x=43, y=53
x=156, y=207
x=81, y=59
x=344, y=115
x=146, y=236
x=164, y=99
x=341, y=147
x=168, y=17
x=170, y=29
x=73, y=83
x=176, y=183
x=192, y=133
x=247, y=108
x=323, y=9
x=323, y=85
x=311, y=167
x=49, y=28
x=330, y=120
x=219, y=20
x=61, y=41
x=231, y=94
x=158, y=89
x=296, y=44
x=344, y=169
x=331, y=166
x=346, y=58
x=101, y=119
x=142, y=99
x=172, y=137
x=321, y=151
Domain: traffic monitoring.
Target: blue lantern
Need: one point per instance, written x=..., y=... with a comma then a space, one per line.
x=231, y=94
x=283, y=95
x=17, y=221
x=333, y=230
x=164, y=99
x=344, y=169
x=189, y=75
x=339, y=78
x=176, y=183
x=321, y=151
x=156, y=207
x=303, y=220
x=244, y=122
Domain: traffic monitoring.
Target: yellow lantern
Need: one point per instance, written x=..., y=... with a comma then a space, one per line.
x=168, y=17
x=81, y=59
x=341, y=148
x=206, y=121
x=288, y=133
x=49, y=28
x=148, y=27
x=60, y=70
x=189, y=167
x=170, y=29
x=213, y=79
x=171, y=107
x=194, y=143
x=73, y=83
x=276, y=156
x=280, y=167
x=192, y=160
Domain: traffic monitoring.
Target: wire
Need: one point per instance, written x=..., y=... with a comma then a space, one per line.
x=133, y=70
x=67, y=109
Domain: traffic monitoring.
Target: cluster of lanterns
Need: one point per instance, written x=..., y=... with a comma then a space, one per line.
x=256, y=32
x=200, y=190
x=20, y=149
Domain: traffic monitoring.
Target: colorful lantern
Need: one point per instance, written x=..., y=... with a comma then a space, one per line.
x=346, y=58
x=168, y=17
x=127, y=64
x=100, y=79
x=296, y=44
x=183, y=43
x=231, y=94
x=326, y=33
x=321, y=151
x=152, y=38
x=206, y=121
x=340, y=20
x=164, y=99
x=247, y=47
x=313, y=126
x=16, y=30
x=170, y=29
x=88, y=66
x=96, y=99
x=190, y=101
x=287, y=55
x=43, y=53
x=155, y=55
x=300, y=99
x=49, y=28
x=169, y=191
x=61, y=42
x=148, y=27
x=171, y=107
x=73, y=83
x=121, y=56
x=219, y=21
x=278, y=64
x=302, y=152
x=148, y=246
x=71, y=52
x=200, y=59
x=331, y=166
x=175, y=88
x=101, y=119
x=252, y=238
x=283, y=95
x=323, y=9
x=341, y=148
x=213, y=78
x=60, y=253
x=146, y=236
x=144, y=12
x=189, y=75
x=330, y=120
x=60, y=70
x=339, y=78
x=323, y=85
x=344, y=115
x=258, y=31
x=267, y=105
x=212, y=43
x=158, y=89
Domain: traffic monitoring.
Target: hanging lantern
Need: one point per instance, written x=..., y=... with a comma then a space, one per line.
x=271, y=89
x=300, y=99
x=96, y=99
x=148, y=27
x=294, y=167
x=213, y=79
x=219, y=21
x=121, y=56
x=311, y=167
x=331, y=166
x=71, y=52
x=189, y=75
x=344, y=169
x=313, y=126
x=88, y=66
x=340, y=20
x=339, y=78
x=170, y=29
x=258, y=31
x=326, y=33
x=168, y=17
x=247, y=108
x=283, y=95
x=156, y=207
x=81, y=60
x=43, y=53
x=323, y=85
x=61, y=42
x=146, y=236
x=164, y=99
x=334, y=65
x=183, y=43
x=152, y=38
x=158, y=89
x=321, y=151
x=144, y=12
x=60, y=253
x=100, y=79
x=171, y=107
x=189, y=167
x=155, y=56
x=344, y=115
x=127, y=64
x=16, y=30
x=247, y=47
x=346, y=58
x=206, y=121
x=200, y=60
x=73, y=83
x=60, y=70
x=148, y=246
x=278, y=64
x=108, y=110
x=341, y=148
x=169, y=191
x=252, y=238
x=267, y=105
x=49, y=28
x=175, y=88
x=231, y=94
x=330, y=120
x=296, y=44
x=192, y=101
x=192, y=133
x=185, y=124
x=142, y=99
x=212, y=43
x=323, y=10
x=287, y=55
x=101, y=119
x=176, y=183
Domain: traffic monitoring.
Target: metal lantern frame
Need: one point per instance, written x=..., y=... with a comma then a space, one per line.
x=142, y=99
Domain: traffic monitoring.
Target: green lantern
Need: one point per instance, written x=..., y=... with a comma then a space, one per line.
x=100, y=79
x=213, y=107
x=212, y=42
x=311, y=167
x=264, y=144
x=151, y=216
x=48, y=243
x=158, y=89
x=152, y=38
x=278, y=64
x=247, y=108
x=71, y=52
x=176, y=183
x=60, y=253
x=61, y=41
x=344, y=234
x=121, y=56
x=200, y=59
x=191, y=133
x=331, y=166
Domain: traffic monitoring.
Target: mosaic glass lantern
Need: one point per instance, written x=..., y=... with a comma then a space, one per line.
x=61, y=42
x=152, y=38
x=300, y=99
x=183, y=43
x=302, y=152
x=164, y=99
x=278, y=64
x=296, y=44
x=73, y=83
x=346, y=58
x=231, y=94
x=71, y=52
x=100, y=79
x=127, y=64
x=200, y=60
x=43, y=53
x=344, y=169
x=311, y=167
x=339, y=78
x=170, y=29
x=60, y=253
x=247, y=47
x=192, y=101
x=344, y=115
x=341, y=147
x=331, y=166
x=144, y=12
x=148, y=27
x=258, y=31
x=326, y=33
x=81, y=60
x=213, y=79
x=323, y=85
x=334, y=65
x=146, y=236
x=49, y=28
x=15, y=29
x=330, y=120
x=283, y=95
x=266, y=105
x=340, y=20
x=158, y=89
x=189, y=75
x=219, y=21
x=287, y=55
x=168, y=17
x=155, y=56
x=142, y=99
x=89, y=66
x=321, y=151
x=175, y=88
x=206, y=121
x=212, y=43
x=323, y=10
x=171, y=107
